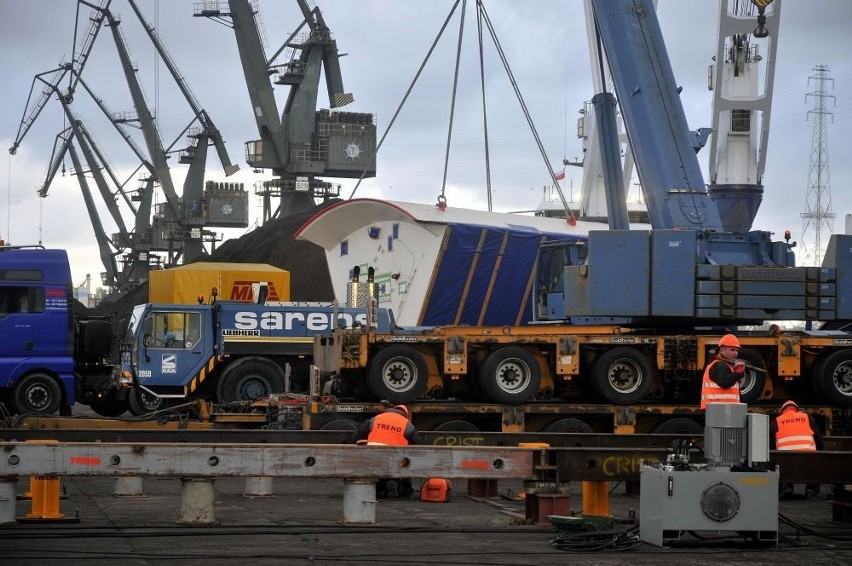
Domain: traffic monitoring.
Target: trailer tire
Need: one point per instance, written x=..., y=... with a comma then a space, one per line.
x=623, y=375
x=248, y=379
x=398, y=374
x=510, y=376
x=751, y=386
x=835, y=378
x=569, y=425
x=108, y=409
x=37, y=394
x=814, y=377
x=140, y=402
x=678, y=425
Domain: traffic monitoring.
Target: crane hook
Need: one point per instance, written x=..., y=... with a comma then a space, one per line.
x=760, y=31
x=442, y=203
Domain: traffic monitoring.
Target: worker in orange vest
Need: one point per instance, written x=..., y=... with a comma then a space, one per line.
x=392, y=427
x=721, y=382
x=795, y=430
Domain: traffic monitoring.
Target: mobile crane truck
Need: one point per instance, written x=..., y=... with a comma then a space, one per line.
x=229, y=351
x=50, y=358
x=631, y=317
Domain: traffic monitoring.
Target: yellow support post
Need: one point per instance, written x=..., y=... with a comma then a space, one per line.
x=45, y=498
x=596, y=498
x=45, y=492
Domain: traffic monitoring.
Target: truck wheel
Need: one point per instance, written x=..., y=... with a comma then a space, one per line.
x=623, y=375
x=751, y=386
x=678, y=425
x=398, y=374
x=814, y=377
x=569, y=425
x=248, y=379
x=510, y=376
x=37, y=394
x=835, y=379
x=108, y=409
x=140, y=402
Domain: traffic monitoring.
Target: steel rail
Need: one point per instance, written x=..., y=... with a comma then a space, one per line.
x=599, y=462
x=431, y=438
x=47, y=458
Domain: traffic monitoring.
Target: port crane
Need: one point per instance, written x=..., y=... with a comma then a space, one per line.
x=178, y=225
x=136, y=242
x=303, y=144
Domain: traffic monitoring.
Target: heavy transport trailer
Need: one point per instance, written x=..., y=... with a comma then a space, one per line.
x=543, y=417
x=562, y=363
x=452, y=420
x=631, y=317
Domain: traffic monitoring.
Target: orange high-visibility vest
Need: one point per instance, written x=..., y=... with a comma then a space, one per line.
x=794, y=432
x=388, y=428
x=712, y=393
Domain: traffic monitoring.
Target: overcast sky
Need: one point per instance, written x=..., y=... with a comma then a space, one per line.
x=385, y=42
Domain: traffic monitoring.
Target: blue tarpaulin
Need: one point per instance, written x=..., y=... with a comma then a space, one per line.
x=485, y=275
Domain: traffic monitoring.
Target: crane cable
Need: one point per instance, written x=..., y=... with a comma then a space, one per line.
x=484, y=107
x=442, y=199
x=572, y=218
x=408, y=91
x=483, y=14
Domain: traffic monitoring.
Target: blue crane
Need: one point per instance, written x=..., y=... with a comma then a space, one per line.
x=688, y=270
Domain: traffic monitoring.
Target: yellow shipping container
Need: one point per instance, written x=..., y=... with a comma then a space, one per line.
x=185, y=283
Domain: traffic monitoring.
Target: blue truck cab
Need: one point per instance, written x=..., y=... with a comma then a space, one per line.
x=49, y=359
x=227, y=351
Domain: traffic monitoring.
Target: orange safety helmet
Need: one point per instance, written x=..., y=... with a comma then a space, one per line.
x=730, y=341
x=404, y=410
x=789, y=404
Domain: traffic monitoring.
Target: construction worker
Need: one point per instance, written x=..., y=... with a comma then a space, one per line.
x=795, y=430
x=392, y=427
x=721, y=383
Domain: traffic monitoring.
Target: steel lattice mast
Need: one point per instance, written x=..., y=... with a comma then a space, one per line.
x=818, y=213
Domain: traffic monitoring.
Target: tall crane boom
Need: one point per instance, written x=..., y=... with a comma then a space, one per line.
x=668, y=167
x=273, y=144
x=32, y=111
x=107, y=258
x=303, y=142
x=201, y=115
x=143, y=113
x=77, y=64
